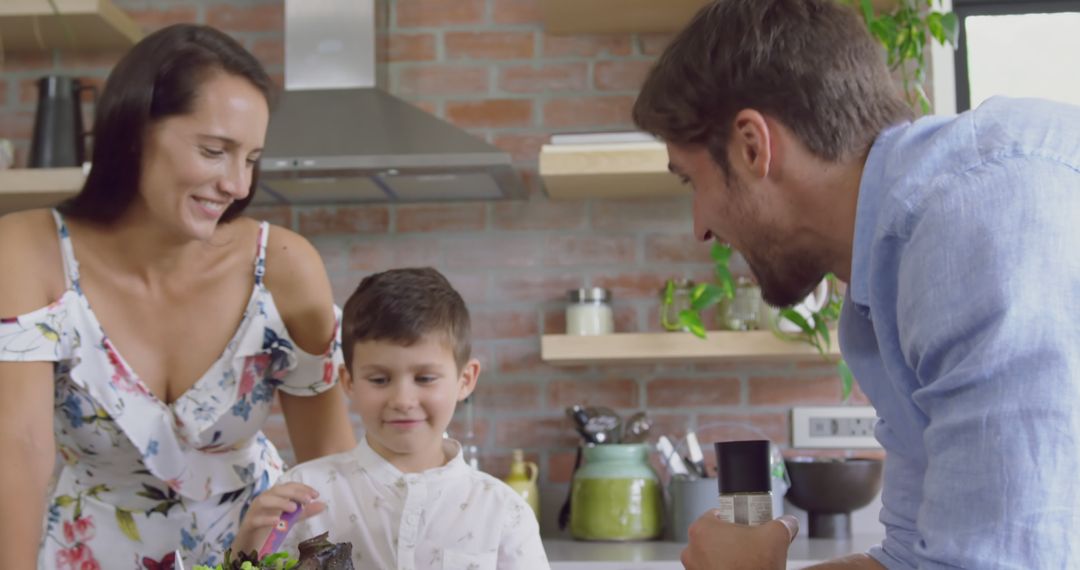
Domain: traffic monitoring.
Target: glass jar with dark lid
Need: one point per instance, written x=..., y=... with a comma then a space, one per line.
x=589, y=312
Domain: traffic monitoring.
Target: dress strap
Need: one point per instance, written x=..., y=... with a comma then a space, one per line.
x=260, y=259
x=67, y=252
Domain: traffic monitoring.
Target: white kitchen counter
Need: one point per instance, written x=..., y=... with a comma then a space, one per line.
x=574, y=555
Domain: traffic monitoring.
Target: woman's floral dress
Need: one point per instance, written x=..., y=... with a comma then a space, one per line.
x=142, y=479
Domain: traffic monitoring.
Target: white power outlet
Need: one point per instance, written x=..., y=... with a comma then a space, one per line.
x=835, y=427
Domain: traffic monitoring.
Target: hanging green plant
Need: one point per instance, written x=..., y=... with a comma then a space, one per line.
x=904, y=32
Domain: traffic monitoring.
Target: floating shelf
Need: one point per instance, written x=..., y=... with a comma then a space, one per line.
x=635, y=348
x=25, y=188
x=28, y=26
x=617, y=16
x=630, y=16
x=617, y=170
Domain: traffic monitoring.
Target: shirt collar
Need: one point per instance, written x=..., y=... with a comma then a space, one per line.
x=872, y=188
x=386, y=473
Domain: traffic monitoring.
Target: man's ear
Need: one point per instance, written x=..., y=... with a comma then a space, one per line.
x=751, y=143
x=346, y=377
x=470, y=373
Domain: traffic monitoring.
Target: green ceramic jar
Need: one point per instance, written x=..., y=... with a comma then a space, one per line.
x=615, y=495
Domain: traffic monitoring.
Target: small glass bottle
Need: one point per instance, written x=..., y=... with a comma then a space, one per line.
x=589, y=312
x=680, y=301
x=470, y=452
x=522, y=478
x=745, y=481
x=741, y=312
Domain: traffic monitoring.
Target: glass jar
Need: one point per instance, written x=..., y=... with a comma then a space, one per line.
x=615, y=495
x=680, y=301
x=740, y=313
x=589, y=312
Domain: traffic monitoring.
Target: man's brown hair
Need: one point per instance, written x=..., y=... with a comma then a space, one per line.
x=811, y=64
x=401, y=306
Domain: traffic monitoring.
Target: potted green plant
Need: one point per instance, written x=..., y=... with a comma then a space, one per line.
x=814, y=331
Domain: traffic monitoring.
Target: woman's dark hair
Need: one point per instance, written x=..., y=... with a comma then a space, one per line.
x=811, y=64
x=159, y=78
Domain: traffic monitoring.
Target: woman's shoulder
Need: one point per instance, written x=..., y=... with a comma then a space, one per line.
x=30, y=256
x=28, y=224
x=296, y=277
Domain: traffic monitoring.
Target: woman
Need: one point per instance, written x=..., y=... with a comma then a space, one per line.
x=147, y=326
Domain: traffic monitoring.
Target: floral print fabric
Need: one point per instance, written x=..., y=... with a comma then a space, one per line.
x=142, y=479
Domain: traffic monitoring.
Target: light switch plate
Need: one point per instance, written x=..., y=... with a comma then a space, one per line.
x=834, y=427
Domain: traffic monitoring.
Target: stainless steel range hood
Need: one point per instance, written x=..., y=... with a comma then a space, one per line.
x=336, y=137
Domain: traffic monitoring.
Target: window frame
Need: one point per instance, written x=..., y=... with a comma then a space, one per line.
x=967, y=8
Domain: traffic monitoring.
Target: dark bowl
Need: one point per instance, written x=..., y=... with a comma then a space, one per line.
x=829, y=489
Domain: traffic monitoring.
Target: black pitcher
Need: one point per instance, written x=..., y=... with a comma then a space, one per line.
x=59, y=139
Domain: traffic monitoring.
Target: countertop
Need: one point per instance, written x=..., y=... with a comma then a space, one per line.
x=574, y=555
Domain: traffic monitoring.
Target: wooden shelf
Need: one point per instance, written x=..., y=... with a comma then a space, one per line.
x=83, y=25
x=25, y=188
x=629, y=16
x=617, y=170
x=617, y=16
x=636, y=348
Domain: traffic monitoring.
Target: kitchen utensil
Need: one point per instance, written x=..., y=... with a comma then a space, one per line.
x=580, y=418
x=604, y=424
x=564, y=510
x=637, y=428
x=695, y=458
x=282, y=528
x=670, y=457
x=58, y=139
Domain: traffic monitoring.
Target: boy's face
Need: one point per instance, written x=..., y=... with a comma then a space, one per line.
x=406, y=397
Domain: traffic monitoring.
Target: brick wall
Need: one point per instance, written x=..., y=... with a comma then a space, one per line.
x=488, y=66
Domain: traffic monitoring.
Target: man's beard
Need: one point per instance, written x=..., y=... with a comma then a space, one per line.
x=785, y=282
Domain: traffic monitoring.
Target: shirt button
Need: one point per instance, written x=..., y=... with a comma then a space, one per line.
x=412, y=519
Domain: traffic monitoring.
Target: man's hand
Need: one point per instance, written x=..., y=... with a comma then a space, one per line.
x=718, y=545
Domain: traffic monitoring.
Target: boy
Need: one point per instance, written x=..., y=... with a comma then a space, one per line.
x=404, y=497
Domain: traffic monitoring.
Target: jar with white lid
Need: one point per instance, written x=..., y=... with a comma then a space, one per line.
x=589, y=312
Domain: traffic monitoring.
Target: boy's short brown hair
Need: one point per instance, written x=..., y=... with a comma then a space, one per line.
x=402, y=305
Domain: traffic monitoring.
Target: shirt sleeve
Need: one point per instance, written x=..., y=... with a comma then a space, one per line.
x=37, y=336
x=988, y=295
x=520, y=547
x=316, y=373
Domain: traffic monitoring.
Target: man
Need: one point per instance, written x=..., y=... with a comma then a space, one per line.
x=959, y=240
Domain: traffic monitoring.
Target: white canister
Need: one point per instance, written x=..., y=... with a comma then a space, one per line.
x=589, y=312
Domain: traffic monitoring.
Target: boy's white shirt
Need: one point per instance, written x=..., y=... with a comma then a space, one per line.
x=448, y=518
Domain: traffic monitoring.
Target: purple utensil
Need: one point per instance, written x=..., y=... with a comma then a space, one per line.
x=282, y=528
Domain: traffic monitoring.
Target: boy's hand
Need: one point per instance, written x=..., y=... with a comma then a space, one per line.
x=266, y=509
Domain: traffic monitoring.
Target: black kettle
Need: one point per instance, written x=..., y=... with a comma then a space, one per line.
x=59, y=139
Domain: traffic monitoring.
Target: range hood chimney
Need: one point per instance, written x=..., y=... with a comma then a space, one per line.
x=336, y=137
